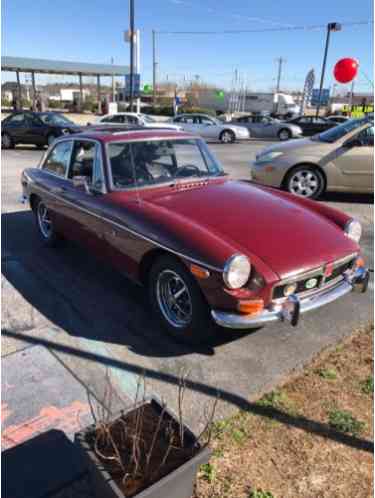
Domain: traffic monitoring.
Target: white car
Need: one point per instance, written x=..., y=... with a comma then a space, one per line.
x=136, y=119
x=211, y=128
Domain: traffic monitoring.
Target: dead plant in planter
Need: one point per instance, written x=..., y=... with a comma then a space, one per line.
x=147, y=442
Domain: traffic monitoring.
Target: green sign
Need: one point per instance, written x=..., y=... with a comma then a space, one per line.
x=220, y=94
x=147, y=88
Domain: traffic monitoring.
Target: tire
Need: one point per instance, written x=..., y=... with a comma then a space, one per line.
x=47, y=233
x=6, y=141
x=187, y=317
x=227, y=137
x=284, y=134
x=50, y=139
x=305, y=181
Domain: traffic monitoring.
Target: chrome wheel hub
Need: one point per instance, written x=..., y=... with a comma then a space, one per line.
x=284, y=135
x=44, y=221
x=304, y=183
x=174, y=299
x=226, y=137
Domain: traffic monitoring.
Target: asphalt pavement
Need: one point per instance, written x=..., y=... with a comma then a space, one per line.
x=97, y=322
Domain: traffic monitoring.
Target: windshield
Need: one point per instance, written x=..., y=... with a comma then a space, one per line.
x=55, y=119
x=341, y=130
x=147, y=118
x=160, y=161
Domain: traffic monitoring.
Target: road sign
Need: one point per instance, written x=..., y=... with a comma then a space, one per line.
x=178, y=100
x=136, y=85
x=147, y=88
x=324, y=98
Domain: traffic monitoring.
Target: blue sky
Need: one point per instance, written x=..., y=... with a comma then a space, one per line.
x=91, y=31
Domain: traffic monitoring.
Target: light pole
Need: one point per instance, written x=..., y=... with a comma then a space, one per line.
x=332, y=26
x=131, y=29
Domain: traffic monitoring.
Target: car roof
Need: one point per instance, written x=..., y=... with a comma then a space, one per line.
x=118, y=134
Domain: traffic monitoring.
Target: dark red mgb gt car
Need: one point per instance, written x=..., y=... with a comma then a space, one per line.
x=158, y=206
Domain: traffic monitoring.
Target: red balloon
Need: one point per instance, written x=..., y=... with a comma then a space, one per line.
x=345, y=70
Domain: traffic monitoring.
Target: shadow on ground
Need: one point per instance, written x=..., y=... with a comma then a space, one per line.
x=84, y=296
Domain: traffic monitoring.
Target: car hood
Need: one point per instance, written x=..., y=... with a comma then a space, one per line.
x=285, y=235
x=303, y=145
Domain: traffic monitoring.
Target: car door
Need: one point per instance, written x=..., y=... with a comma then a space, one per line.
x=256, y=126
x=83, y=202
x=355, y=160
x=189, y=124
x=36, y=130
x=16, y=127
x=305, y=122
x=207, y=128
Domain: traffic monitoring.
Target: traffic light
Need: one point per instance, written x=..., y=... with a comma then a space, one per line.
x=147, y=88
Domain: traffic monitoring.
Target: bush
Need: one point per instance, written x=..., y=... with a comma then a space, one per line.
x=5, y=102
x=196, y=110
x=54, y=104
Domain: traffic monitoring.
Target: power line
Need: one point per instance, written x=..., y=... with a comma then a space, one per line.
x=263, y=30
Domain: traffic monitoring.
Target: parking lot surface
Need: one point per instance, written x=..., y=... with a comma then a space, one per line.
x=95, y=320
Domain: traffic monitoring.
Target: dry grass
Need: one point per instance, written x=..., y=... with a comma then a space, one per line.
x=253, y=452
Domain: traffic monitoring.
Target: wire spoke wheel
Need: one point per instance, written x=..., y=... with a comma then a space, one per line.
x=44, y=221
x=174, y=299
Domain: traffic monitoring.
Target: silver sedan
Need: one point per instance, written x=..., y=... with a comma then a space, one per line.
x=265, y=127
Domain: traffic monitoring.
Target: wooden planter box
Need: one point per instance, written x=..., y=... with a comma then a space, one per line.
x=177, y=484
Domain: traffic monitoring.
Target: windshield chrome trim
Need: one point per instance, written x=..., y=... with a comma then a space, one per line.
x=133, y=232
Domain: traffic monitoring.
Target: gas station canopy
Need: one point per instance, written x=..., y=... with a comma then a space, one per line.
x=28, y=65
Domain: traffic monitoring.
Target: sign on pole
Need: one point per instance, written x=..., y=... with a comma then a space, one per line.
x=324, y=97
x=136, y=85
x=307, y=90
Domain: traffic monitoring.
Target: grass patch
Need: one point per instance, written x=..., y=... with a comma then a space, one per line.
x=278, y=399
x=208, y=472
x=367, y=386
x=344, y=421
x=259, y=493
x=328, y=373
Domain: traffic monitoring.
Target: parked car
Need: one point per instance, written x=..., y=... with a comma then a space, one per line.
x=134, y=119
x=158, y=206
x=310, y=125
x=211, y=128
x=338, y=119
x=339, y=159
x=266, y=127
x=37, y=128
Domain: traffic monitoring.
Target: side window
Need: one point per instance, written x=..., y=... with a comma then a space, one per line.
x=17, y=120
x=304, y=120
x=132, y=119
x=190, y=120
x=87, y=161
x=206, y=121
x=82, y=163
x=366, y=136
x=57, y=161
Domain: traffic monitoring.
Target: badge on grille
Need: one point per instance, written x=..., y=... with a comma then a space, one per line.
x=311, y=283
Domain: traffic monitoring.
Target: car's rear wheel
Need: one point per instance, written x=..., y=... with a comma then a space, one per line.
x=227, y=137
x=6, y=141
x=45, y=224
x=178, y=302
x=284, y=134
x=305, y=181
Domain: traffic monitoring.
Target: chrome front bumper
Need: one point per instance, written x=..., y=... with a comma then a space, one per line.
x=291, y=309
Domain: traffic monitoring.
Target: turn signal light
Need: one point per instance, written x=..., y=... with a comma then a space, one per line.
x=199, y=272
x=251, y=306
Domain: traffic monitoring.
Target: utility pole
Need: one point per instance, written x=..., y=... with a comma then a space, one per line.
x=131, y=33
x=280, y=62
x=113, y=83
x=154, y=66
x=332, y=26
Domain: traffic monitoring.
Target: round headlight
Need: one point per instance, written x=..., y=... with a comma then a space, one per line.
x=353, y=230
x=236, y=271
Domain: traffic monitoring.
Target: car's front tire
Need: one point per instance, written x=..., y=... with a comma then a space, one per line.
x=6, y=141
x=305, y=181
x=227, y=137
x=284, y=134
x=178, y=302
x=46, y=229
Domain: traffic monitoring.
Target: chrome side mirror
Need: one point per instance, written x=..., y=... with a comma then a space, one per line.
x=82, y=181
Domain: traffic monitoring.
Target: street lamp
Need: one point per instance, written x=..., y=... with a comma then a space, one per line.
x=332, y=26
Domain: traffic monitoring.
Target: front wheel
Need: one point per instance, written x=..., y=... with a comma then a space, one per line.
x=178, y=302
x=227, y=137
x=6, y=141
x=305, y=181
x=284, y=134
x=46, y=229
